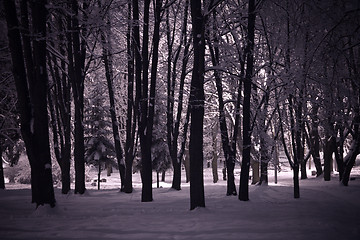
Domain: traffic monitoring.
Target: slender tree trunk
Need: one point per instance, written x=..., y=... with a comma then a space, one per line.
x=328, y=152
x=295, y=164
x=109, y=79
x=255, y=165
x=60, y=119
x=215, y=155
x=130, y=121
x=76, y=55
x=245, y=166
x=349, y=160
x=197, y=196
x=229, y=153
x=173, y=127
x=315, y=141
x=2, y=178
x=146, y=160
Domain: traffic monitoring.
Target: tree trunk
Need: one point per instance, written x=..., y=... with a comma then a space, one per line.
x=350, y=158
x=315, y=141
x=296, y=152
x=60, y=116
x=197, y=197
x=244, y=176
x=130, y=121
x=187, y=164
x=2, y=178
x=229, y=148
x=328, y=152
x=76, y=55
x=109, y=79
x=33, y=111
x=215, y=155
x=99, y=174
x=255, y=172
x=173, y=127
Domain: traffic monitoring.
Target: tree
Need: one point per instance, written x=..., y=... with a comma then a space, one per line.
x=196, y=102
x=107, y=58
x=245, y=165
x=99, y=149
x=59, y=96
x=228, y=143
x=9, y=123
x=145, y=97
x=32, y=100
x=131, y=109
x=173, y=125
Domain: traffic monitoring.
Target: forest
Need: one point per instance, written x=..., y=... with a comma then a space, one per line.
x=170, y=85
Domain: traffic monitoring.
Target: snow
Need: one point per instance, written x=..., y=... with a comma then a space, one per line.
x=325, y=210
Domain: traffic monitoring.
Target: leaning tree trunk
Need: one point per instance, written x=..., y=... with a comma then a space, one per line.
x=349, y=160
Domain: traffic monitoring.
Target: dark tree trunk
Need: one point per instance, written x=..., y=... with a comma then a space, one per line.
x=294, y=143
x=33, y=111
x=229, y=152
x=41, y=132
x=315, y=141
x=328, y=152
x=59, y=104
x=147, y=164
x=2, y=178
x=264, y=170
x=245, y=166
x=63, y=108
x=349, y=163
x=197, y=197
x=105, y=37
x=76, y=53
x=339, y=152
x=173, y=127
x=130, y=121
x=214, y=160
x=349, y=160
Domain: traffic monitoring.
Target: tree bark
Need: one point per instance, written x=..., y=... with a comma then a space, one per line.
x=245, y=166
x=2, y=178
x=197, y=198
x=76, y=57
x=106, y=38
x=33, y=111
x=328, y=152
x=130, y=121
x=227, y=146
x=174, y=126
x=315, y=141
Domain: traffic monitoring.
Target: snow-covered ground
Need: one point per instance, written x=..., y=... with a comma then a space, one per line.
x=325, y=210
